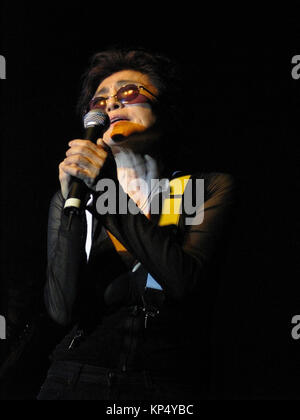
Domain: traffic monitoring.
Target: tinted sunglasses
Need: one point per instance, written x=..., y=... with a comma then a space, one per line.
x=129, y=94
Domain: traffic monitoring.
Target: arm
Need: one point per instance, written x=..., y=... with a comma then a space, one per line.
x=177, y=267
x=66, y=260
x=66, y=249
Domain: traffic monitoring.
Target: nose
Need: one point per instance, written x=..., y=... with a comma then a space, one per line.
x=112, y=103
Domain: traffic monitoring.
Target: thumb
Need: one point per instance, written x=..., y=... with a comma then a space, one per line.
x=100, y=142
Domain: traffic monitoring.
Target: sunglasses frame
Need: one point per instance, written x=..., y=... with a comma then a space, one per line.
x=139, y=87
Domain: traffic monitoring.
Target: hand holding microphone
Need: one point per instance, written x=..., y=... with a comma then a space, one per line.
x=84, y=161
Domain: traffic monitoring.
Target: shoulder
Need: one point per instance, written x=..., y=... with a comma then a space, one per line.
x=215, y=178
x=214, y=182
x=217, y=182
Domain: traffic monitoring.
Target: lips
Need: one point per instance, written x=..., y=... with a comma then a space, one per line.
x=117, y=118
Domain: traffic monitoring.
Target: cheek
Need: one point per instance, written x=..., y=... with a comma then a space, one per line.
x=138, y=113
x=142, y=114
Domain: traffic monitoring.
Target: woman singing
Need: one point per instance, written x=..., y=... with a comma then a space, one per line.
x=135, y=288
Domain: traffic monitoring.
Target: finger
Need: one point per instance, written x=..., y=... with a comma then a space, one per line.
x=89, y=145
x=87, y=150
x=80, y=173
x=77, y=155
x=100, y=142
x=96, y=159
x=85, y=143
x=61, y=167
x=85, y=162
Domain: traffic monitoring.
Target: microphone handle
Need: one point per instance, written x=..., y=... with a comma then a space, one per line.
x=78, y=188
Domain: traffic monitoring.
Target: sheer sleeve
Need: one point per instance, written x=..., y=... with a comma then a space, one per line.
x=66, y=260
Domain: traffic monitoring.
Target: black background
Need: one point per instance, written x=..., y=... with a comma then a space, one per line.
x=244, y=107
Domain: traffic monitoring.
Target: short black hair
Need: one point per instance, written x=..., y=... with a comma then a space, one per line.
x=163, y=71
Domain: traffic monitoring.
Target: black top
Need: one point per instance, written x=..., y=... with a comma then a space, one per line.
x=126, y=326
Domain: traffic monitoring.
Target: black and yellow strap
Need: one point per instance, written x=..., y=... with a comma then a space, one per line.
x=172, y=205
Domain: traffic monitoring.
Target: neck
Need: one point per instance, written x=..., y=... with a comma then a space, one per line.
x=136, y=173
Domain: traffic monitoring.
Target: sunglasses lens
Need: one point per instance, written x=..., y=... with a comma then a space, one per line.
x=128, y=93
x=98, y=103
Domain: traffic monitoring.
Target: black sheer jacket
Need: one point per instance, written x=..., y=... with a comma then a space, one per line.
x=117, y=322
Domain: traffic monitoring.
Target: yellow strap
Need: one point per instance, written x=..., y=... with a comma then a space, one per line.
x=117, y=244
x=171, y=210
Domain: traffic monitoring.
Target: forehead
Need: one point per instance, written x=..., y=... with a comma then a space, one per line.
x=123, y=77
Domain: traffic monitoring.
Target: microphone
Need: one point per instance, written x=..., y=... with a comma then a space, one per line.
x=95, y=124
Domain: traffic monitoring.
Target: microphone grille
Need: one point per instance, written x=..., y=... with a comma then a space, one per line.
x=94, y=118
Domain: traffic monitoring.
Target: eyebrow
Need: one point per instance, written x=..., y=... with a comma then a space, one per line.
x=119, y=83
